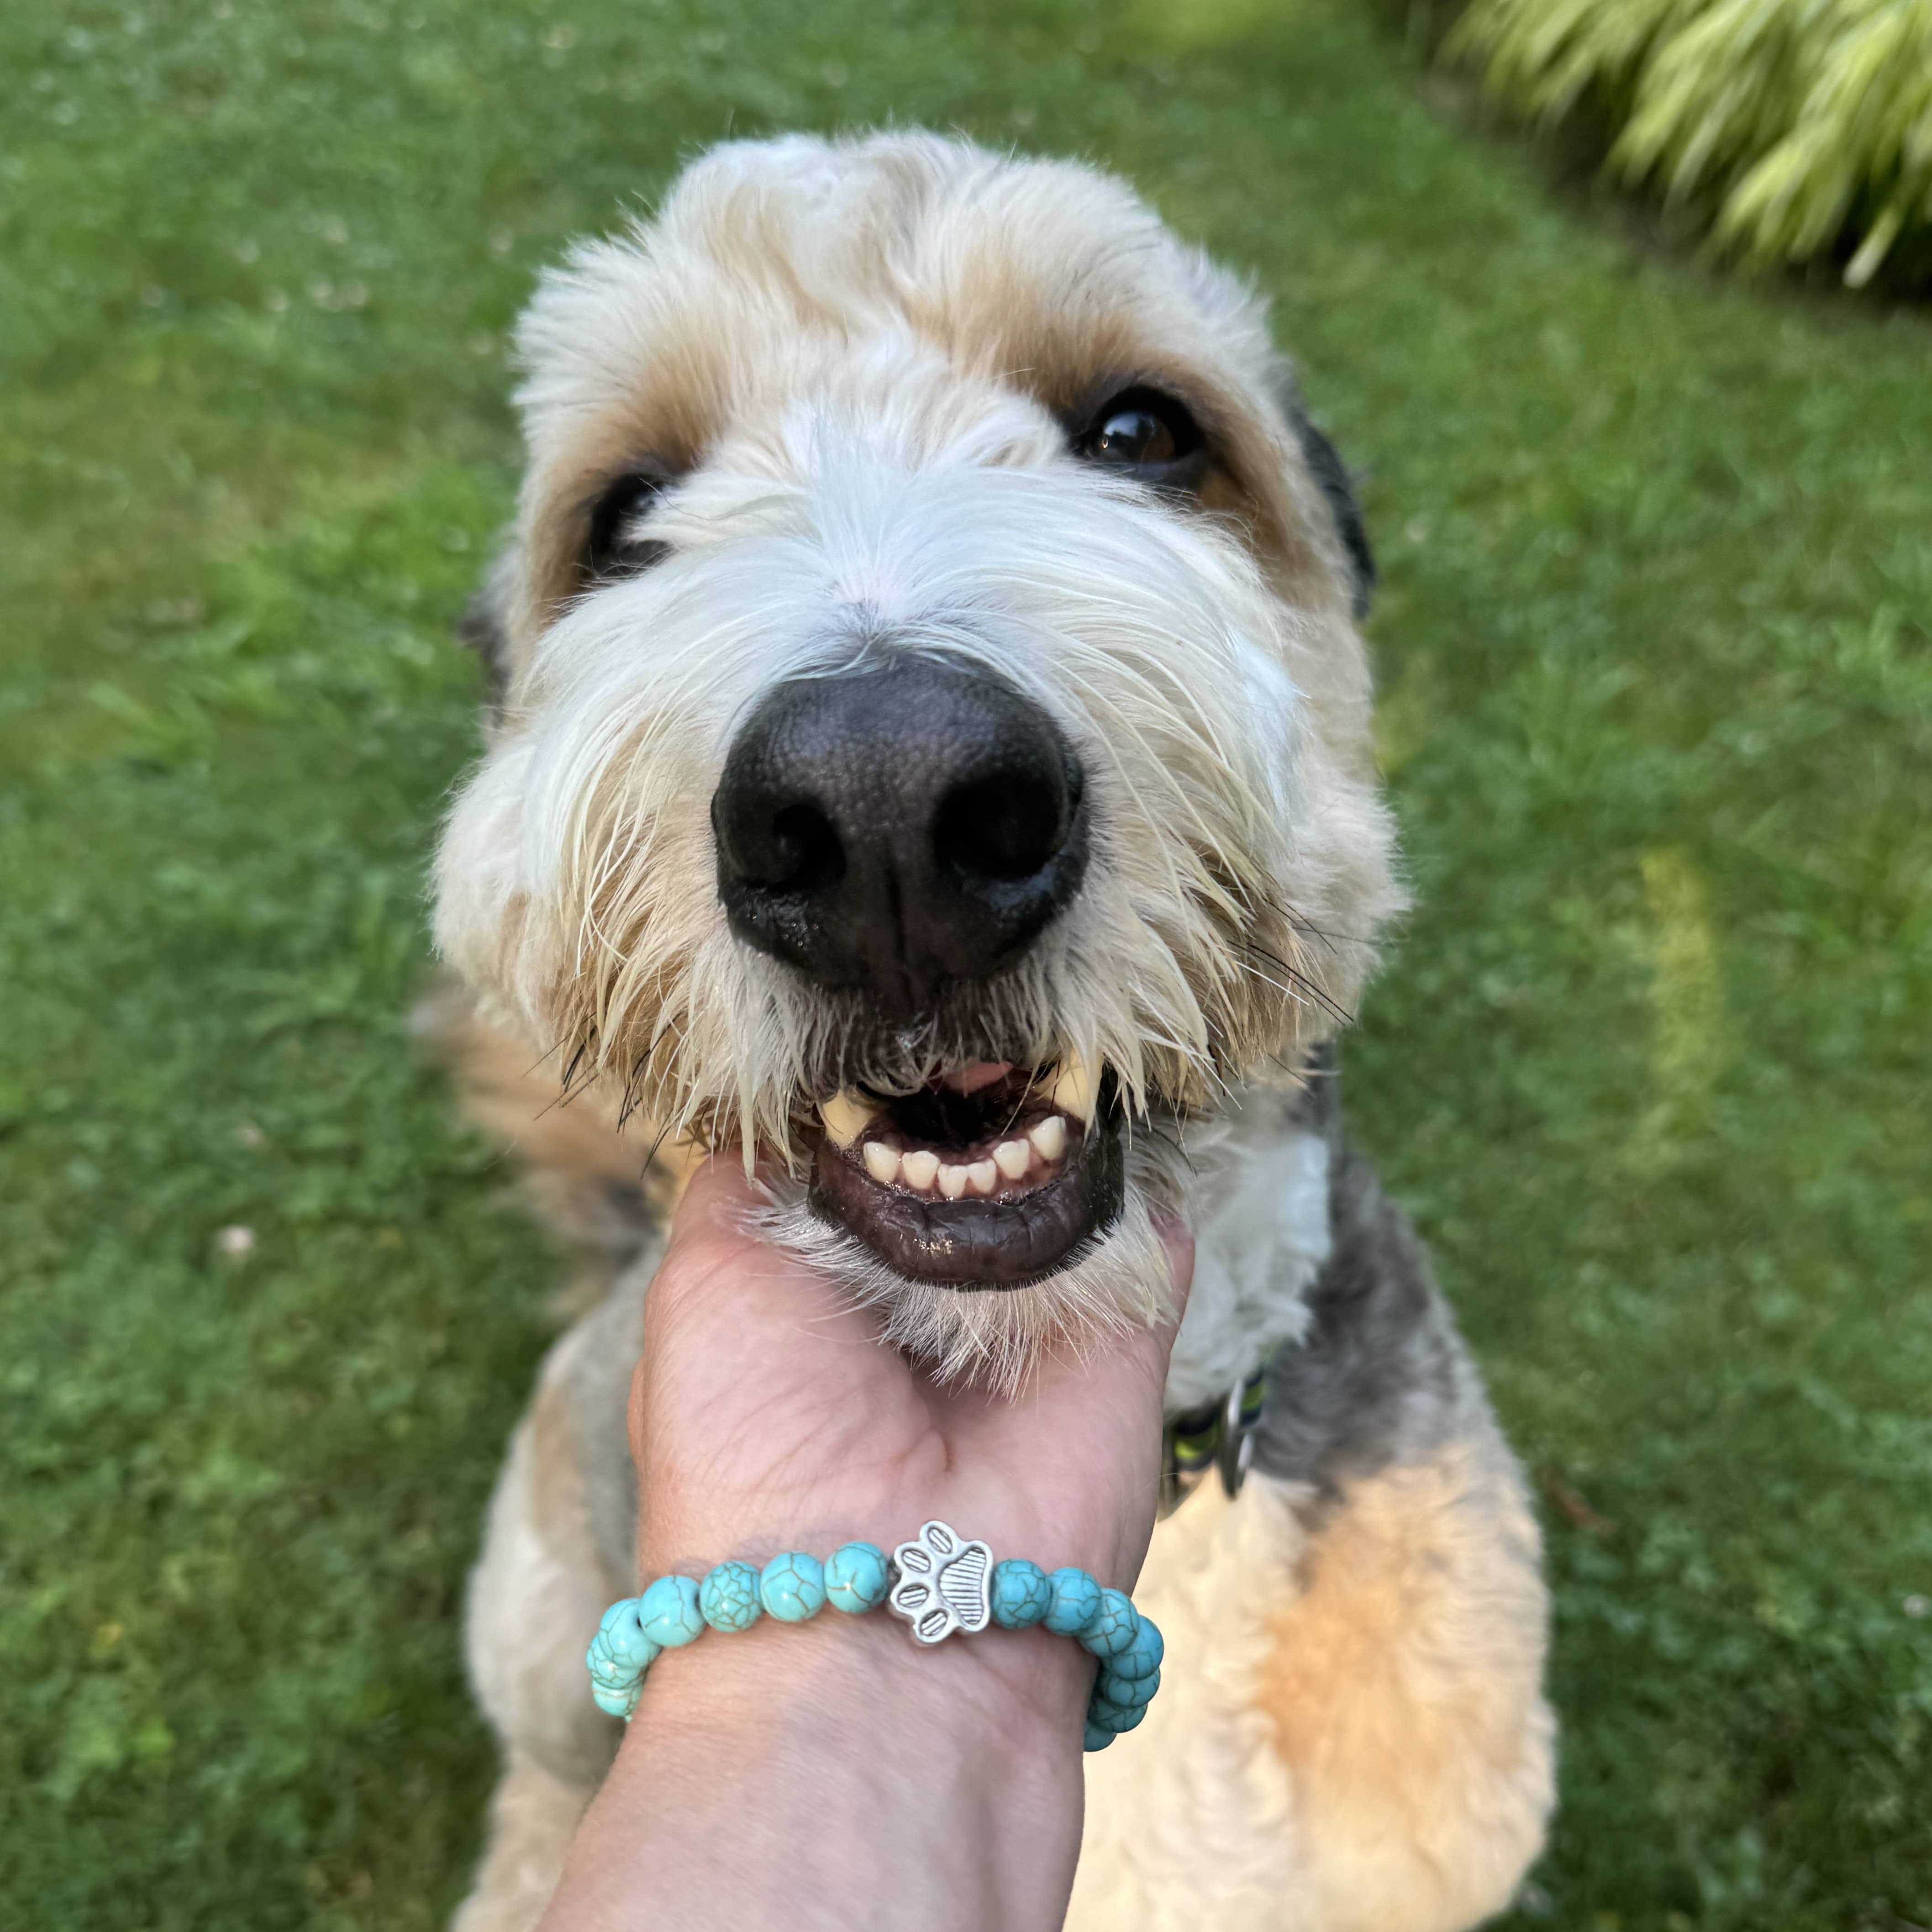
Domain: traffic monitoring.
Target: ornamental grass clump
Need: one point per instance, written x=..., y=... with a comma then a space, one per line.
x=1798, y=128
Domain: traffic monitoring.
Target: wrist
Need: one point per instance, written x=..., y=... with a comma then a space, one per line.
x=861, y=1780
x=1010, y=1691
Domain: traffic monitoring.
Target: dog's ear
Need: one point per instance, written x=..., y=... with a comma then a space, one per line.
x=1337, y=488
x=485, y=628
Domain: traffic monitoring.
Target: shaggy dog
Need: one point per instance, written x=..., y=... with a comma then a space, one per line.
x=931, y=747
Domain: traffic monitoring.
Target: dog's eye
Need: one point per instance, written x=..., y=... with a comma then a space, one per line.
x=1151, y=435
x=614, y=549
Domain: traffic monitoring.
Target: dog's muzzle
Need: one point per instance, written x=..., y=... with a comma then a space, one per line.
x=907, y=831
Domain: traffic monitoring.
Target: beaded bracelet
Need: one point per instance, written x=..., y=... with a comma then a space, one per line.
x=940, y=1582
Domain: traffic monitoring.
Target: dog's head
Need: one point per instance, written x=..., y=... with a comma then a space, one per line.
x=932, y=746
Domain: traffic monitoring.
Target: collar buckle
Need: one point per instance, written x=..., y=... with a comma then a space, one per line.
x=1218, y=1434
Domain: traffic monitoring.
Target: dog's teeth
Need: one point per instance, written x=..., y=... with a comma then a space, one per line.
x=1072, y=1092
x=919, y=1168
x=953, y=1180
x=845, y=1115
x=983, y=1176
x=882, y=1163
x=1012, y=1158
x=1049, y=1138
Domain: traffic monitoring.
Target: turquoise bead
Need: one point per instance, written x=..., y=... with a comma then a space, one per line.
x=612, y=1675
x=1116, y=1717
x=1022, y=1594
x=855, y=1577
x=623, y=1613
x=1095, y=1738
x=616, y=1666
x=619, y=1703
x=728, y=1599
x=1142, y=1658
x=601, y=1657
x=1113, y=1626
x=1126, y=1689
x=622, y=1637
x=1076, y=1597
x=792, y=1587
x=668, y=1613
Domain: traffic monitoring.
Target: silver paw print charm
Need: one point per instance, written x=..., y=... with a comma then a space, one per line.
x=943, y=1584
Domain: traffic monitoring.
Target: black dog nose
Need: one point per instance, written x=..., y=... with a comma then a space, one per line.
x=898, y=828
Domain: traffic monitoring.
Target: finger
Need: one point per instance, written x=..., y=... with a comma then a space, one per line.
x=716, y=1205
x=716, y=1250
x=750, y=1358
x=1106, y=1389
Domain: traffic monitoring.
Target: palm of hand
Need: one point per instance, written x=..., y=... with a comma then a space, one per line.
x=766, y=1415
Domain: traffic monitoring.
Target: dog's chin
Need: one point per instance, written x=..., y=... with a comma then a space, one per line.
x=985, y=1225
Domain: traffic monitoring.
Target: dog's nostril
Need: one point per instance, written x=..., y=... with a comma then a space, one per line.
x=808, y=844
x=1001, y=830
x=791, y=848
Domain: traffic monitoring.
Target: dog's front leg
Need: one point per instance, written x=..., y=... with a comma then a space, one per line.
x=1351, y=1734
x=557, y=1550
x=1402, y=1685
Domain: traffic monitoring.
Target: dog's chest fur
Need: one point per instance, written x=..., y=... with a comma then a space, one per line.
x=1264, y=1233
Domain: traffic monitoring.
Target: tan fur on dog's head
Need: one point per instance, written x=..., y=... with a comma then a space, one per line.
x=856, y=365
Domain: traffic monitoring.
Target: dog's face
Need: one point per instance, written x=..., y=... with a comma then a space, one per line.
x=933, y=748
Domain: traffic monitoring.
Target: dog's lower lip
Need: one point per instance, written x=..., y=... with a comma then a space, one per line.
x=1011, y=1205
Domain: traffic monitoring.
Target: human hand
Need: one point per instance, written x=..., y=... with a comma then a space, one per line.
x=767, y=1414
x=841, y=1775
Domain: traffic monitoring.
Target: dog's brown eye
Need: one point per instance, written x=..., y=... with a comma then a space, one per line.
x=1133, y=435
x=614, y=550
x=1150, y=435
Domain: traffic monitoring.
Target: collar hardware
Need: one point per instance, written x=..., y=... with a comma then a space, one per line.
x=1218, y=1434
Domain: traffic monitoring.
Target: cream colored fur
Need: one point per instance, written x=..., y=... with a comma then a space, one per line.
x=1350, y=1735
x=858, y=357
x=860, y=360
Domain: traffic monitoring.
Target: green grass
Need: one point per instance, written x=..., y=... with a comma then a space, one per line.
x=1650, y=1063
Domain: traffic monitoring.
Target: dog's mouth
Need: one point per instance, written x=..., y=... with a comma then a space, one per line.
x=989, y=1176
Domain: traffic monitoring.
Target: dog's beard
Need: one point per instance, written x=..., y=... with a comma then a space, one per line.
x=579, y=877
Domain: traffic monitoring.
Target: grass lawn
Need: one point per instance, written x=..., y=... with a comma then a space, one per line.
x=1650, y=1063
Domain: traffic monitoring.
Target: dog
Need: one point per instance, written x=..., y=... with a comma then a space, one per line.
x=929, y=745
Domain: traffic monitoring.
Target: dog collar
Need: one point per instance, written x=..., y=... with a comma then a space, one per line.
x=1218, y=1434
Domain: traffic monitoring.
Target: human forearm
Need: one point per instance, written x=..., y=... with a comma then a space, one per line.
x=837, y=1775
